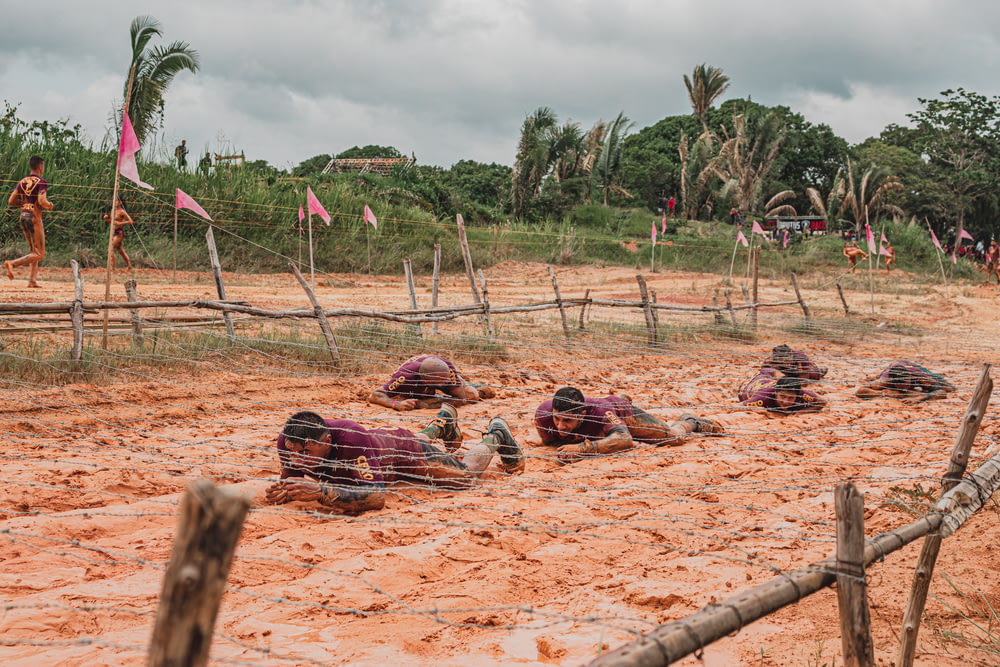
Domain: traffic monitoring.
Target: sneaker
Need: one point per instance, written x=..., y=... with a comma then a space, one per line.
x=447, y=422
x=510, y=452
x=702, y=425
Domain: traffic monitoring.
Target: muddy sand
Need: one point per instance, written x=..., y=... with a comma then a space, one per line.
x=553, y=566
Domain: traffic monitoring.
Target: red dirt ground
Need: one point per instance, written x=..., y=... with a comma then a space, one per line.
x=550, y=567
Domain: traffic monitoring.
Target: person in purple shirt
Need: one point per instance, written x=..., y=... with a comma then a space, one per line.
x=794, y=362
x=907, y=381
x=582, y=426
x=415, y=384
x=31, y=194
x=350, y=465
x=782, y=394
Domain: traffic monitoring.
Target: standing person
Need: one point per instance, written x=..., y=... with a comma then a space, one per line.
x=415, y=384
x=31, y=194
x=671, y=205
x=181, y=153
x=121, y=220
x=351, y=464
x=734, y=215
x=205, y=164
x=661, y=204
x=993, y=261
x=890, y=256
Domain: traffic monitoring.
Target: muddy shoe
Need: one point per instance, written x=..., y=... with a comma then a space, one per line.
x=702, y=425
x=446, y=425
x=511, y=456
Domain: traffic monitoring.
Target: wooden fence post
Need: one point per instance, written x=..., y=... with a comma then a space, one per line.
x=486, y=304
x=932, y=543
x=324, y=324
x=213, y=256
x=729, y=307
x=840, y=291
x=798, y=295
x=583, y=308
x=650, y=322
x=436, y=281
x=559, y=302
x=76, y=312
x=756, y=276
x=208, y=529
x=134, y=316
x=408, y=270
x=718, y=311
x=852, y=590
x=467, y=257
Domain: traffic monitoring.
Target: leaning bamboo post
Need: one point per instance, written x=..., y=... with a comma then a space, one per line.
x=650, y=322
x=134, y=317
x=408, y=270
x=436, y=280
x=754, y=292
x=932, y=543
x=208, y=529
x=583, y=308
x=324, y=324
x=76, y=311
x=852, y=593
x=467, y=257
x=486, y=304
x=213, y=256
x=798, y=295
x=656, y=312
x=559, y=301
x=840, y=291
x=729, y=307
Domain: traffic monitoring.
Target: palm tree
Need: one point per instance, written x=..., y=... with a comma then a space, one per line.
x=704, y=86
x=829, y=207
x=746, y=158
x=865, y=192
x=533, y=160
x=607, y=169
x=152, y=70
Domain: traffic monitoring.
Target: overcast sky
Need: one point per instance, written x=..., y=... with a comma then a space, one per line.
x=448, y=80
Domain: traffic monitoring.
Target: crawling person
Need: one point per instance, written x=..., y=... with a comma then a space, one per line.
x=778, y=394
x=583, y=426
x=794, y=362
x=415, y=384
x=349, y=465
x=907, y=381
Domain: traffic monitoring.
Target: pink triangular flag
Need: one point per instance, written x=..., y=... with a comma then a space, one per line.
x=652, y=234
x=884, y=239
x=184, y=201
x=742, y=239
x=663, y=224
x=934, y=240
x=883, y=251
x=757, y=229
x=784, y=239
x=302, y=216
x=315, y=206
x=870, y=237
x=965, y=235
x=127, y=149
x=369, y=217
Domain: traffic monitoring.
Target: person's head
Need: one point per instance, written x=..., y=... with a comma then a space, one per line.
x=787, y=393
x=36, y=164
x=568, y=409
x=184, y=142
x=435, y=372
x=899, y=376
x=782, y=358
x=121, y=203
x=208, y=156
x=307, y=436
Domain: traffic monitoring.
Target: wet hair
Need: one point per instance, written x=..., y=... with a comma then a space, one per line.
x=899, y=374
x=303, y=426
x=783, y=359
x=35, y=161
x=568, y=399
x=789, y=383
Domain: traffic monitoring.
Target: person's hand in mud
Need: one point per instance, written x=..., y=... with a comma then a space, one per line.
x=404, y=404
x=276, y=494
x=427, y=403
x=287, y=491
x=572, y=453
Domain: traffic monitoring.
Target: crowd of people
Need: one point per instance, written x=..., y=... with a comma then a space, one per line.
x=346, y=466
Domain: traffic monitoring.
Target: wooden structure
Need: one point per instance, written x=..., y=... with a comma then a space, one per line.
x=237, y=160
x=383, y=166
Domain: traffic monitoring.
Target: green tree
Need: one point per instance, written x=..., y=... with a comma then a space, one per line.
x=370, y=151
x=153, y=69
x=866, y=191
x=312, y=166
x=705, y=85
x=534, y=158
x=607, y=170
x=747, y=157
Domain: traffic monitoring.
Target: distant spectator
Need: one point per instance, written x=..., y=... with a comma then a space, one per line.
x=205, y=164
x=181, y=153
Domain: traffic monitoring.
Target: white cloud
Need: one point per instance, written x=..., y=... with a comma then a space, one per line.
x=862, y=114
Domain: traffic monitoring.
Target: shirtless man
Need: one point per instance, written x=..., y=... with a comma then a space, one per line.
x=350, y=465
x=853, y=253
x=584, y=426
x=907, y=381
x=793, y=362
x=414, y=386
x=774, y=392
x=993, y=261
x=31, y=195
x=890, y=256
x=122, y=219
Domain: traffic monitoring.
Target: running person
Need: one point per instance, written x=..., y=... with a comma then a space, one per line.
x=122, y=219
x=31, y=194
x=890, y=256
x=853, y=253
x=582, y=426
x=794, y=362
x=908, y=381
x=778, y=394
x=350, y=465
x=415, y=384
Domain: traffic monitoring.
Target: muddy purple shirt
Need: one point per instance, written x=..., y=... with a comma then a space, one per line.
x=917, y=378
x=600, y=417
x=29, y=188
x=407, y=383
x=360, y=456
x=758, y=392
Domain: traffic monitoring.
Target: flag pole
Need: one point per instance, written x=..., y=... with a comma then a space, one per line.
x=750, y=254
x=175, y=240
x=368, y=242
x=111, y=218
x=732, y=262
x=871, y=284
x=312, y=270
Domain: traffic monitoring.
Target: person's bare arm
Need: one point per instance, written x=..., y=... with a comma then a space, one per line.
x=550, y=438
x=464, y=394
x=14, y=199
x=342, y=499
x=379, y=397
x=617, y=441
x=43, y=201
